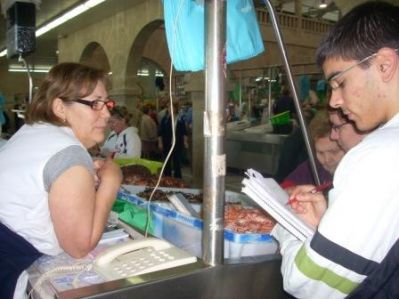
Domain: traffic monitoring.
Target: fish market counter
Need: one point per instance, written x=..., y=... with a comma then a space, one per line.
x=260, y=151
x=255, y=278
x=251, y=267
x=248, y=277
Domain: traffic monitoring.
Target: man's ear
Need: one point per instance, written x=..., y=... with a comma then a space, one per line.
x=59, y=109
x=388, y=63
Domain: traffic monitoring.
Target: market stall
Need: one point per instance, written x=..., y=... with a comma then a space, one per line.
x=213, y=273
x=248, y=247
x=254, y=150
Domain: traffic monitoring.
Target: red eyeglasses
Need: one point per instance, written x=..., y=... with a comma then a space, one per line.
x=97, y=104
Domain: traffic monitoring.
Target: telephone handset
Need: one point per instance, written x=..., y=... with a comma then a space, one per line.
x=110, y=254
x=139, y=257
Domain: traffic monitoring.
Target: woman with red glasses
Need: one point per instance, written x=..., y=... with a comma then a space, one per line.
x=54, y=198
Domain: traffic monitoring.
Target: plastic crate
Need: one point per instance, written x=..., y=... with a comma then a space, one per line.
x=153, y=166
x=281, y=118
x=185, y=232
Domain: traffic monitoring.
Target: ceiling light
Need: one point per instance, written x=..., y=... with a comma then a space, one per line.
x=67, y=16
x=63, y=18
x=33, y=69
x=143, y=72
x=322, y=4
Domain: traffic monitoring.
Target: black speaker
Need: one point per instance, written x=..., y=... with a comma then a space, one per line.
x=21, y=19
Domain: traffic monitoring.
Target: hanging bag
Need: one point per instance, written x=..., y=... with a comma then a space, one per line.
x=184, y=25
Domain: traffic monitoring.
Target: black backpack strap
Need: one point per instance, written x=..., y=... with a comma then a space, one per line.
x=383, y=283
x=16, y=255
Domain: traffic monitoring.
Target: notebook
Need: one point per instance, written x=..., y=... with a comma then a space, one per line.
x=273, y=199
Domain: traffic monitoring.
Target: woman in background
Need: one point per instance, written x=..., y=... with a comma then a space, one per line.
x=328, y=153
x=123, y=141
x=54, y=198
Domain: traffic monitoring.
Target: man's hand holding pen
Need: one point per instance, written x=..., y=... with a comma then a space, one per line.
x=309, y=203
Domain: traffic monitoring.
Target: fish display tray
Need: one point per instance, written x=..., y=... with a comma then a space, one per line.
x=185, y=231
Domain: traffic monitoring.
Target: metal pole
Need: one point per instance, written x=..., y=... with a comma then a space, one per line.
x=269, y=103
x=240, y=95
x=309, y=145
x=214, y=132
x=25, y=64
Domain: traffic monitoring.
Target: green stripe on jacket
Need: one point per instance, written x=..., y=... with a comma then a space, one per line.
x=312, y=270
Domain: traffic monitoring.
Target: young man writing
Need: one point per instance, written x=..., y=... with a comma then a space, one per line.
x=360, y=61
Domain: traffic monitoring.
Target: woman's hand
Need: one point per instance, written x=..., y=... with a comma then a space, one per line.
x=108, y=172
x=309, y=206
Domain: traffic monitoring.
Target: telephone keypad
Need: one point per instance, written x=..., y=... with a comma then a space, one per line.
x=145, y=261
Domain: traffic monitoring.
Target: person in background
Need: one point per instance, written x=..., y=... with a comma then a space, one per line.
x=153, y=113
x=328, y=153
x=173, y=166
x=293, y=151
x=231, y=113
x=188, y=116
x=163, y=106
x=2, y=113
x=148, y=134
x=285, y=102
x=136, y=114
x=312, y=101
x=54, y=198
x=188, y=119
x=18, y=121
x=344, y=131
x=123, y=141
x=356, y=237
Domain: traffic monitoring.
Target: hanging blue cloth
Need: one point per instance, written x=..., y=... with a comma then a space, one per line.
x=321, y=85
x=304, y=87
x=184, y=25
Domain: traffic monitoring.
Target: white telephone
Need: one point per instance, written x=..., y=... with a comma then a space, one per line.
x=139, y=257
x=130, y=258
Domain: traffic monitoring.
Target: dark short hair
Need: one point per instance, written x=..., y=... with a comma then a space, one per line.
x=361, y=32
x=145, y=109
x=67, y=81
x=121, y=112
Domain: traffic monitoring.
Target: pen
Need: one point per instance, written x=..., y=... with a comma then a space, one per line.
x=322, y=187
x=317, y=189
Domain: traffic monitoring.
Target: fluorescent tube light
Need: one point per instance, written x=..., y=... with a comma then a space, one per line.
x=143, y=73
x=322, y=4
x=34, y=69
x=67, y=16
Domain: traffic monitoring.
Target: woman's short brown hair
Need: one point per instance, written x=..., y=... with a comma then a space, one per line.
x=67, y=81
x=319, y=126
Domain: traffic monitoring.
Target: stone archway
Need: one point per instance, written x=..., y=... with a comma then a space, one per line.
x=151, y=78
x=143, y=47
x=94, y=55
